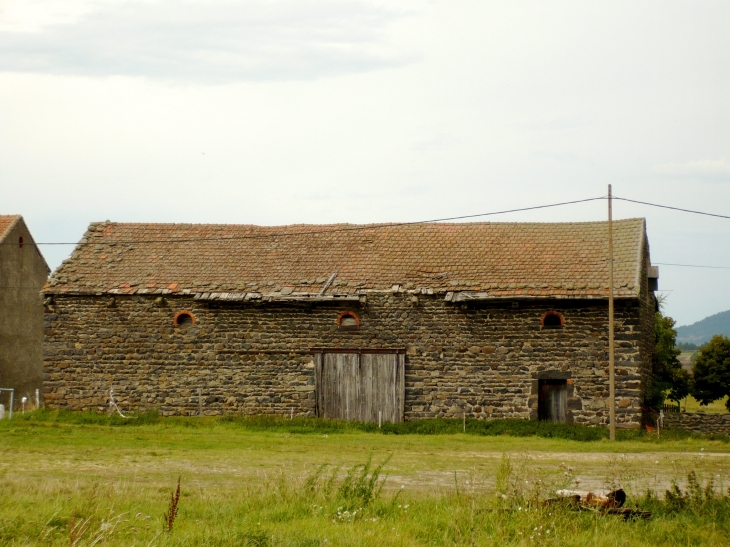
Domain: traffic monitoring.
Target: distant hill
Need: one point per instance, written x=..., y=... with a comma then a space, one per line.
x=702, y=331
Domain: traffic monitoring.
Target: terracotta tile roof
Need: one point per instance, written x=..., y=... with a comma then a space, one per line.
x=502, y=259
x=6, y=221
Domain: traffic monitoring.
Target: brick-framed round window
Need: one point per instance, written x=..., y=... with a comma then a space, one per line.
x=184, y=318
x=348, y=320
x=552, y=320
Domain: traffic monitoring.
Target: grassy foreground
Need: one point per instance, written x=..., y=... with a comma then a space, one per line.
x=82, y=480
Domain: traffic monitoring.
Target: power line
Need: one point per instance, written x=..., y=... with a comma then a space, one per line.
x=290, y=234
x=385, y=225
x=673, y=208
x=691, y=265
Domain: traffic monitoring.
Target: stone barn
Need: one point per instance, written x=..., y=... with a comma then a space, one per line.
x=356, y=322
x=23, y=272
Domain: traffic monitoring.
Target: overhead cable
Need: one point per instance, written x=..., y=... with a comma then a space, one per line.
x=672, y=208
x=311, y=232
x=691, y=265
x=379, y=226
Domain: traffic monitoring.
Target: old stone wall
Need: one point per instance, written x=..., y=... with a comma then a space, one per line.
x=698, y=422
x=250, y=358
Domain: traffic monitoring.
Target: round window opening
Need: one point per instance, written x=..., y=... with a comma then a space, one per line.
x=184, y=319
x=552, y=320
x=348, y=320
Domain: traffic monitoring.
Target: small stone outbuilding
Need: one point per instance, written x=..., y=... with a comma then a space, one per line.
x=365, y=322
x=23, y=272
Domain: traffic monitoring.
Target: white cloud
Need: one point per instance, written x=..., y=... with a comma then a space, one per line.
x=509, y=104
x=556, y=124
x=211, y=42
x=35, y=15
x=710, y=170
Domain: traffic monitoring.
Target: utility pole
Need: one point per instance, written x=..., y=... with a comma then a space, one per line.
x=611, y=363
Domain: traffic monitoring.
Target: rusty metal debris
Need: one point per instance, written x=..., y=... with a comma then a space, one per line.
x=603, y=502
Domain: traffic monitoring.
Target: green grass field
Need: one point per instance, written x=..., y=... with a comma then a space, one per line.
x=690, y=404
x=83, y=480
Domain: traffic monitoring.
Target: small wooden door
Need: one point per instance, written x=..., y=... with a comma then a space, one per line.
x=552, y=400
x=357, y=386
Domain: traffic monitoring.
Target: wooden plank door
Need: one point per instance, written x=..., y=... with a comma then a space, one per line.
x=384, y=379
x=338, y=389
x=357, y=386
x=552, y=400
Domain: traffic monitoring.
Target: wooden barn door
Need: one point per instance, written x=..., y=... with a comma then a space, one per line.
x=552, y=400
x=356, y=386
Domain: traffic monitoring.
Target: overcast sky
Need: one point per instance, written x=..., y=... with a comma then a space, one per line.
x=296, y=111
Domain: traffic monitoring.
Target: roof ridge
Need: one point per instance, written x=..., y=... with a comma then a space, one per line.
x=372, y=224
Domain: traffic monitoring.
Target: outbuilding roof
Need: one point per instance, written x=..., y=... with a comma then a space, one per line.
x=235, y=262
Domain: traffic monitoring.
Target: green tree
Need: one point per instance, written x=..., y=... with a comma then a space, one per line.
x=711, y=371
x=669, y=379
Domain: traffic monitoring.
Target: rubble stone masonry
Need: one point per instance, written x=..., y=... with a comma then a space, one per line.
x=255, y=358
x=698, y=422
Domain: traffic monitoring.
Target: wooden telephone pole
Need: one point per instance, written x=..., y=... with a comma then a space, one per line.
x=611, y=362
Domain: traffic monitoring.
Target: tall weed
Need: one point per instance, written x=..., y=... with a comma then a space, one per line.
x=520, y=485
x=362, y=484
x=695, y=496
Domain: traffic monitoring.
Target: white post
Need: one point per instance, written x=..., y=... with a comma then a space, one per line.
x=292, y=413
x=37, y=398
x=12, y=398
x=660, y=423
